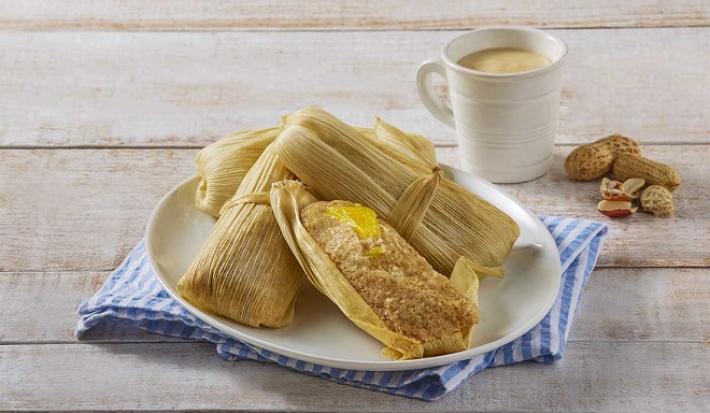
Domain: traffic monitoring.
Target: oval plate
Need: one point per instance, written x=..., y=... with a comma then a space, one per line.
x=320, y=334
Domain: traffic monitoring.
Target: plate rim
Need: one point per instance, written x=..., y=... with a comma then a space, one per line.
x=379, y=365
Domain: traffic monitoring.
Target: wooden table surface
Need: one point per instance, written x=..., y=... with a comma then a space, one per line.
x=103, y=105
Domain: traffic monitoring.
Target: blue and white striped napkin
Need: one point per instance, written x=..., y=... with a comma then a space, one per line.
x=133, y=295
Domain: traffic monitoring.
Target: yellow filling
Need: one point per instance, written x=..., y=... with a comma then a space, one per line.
x=362, y=219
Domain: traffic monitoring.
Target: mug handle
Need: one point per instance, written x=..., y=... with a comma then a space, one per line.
x=439, y=109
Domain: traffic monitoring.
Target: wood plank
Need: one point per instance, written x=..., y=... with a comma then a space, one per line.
x=645, y=304
x=84, y=209
x=42, y=308
x=80, y=209
x=186, y=89
x=320, y=14
x=656, y=377
x=668, y=305
x=641, y=240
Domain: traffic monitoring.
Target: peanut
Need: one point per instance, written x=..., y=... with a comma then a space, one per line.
x=621, y=145
x=616, y=209
x=590, y=161
x=657, y=200
x=655, y=173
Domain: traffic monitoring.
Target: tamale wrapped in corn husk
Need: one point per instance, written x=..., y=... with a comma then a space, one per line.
x=375, y=278
x=416, y=146
x=442, y=220
x=244, y=270
x=223, y=164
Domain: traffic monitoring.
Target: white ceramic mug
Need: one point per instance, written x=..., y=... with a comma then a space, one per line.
x=505, y=123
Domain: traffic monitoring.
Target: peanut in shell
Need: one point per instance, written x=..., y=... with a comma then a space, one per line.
x=620, y=145
x=655, y=173
x=588, y=162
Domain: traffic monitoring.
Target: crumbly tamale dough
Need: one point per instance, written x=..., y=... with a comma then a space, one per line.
x=397, y=282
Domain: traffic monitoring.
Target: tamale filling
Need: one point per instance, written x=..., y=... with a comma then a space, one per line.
x=394, y=279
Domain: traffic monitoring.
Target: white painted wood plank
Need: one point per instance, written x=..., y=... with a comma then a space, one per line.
x=42, y=308
x=641, y=240
x=592, y=377
x=85, y=88
x=341, y=14
x=618, y=305
x=645, y=304
x=85, y=209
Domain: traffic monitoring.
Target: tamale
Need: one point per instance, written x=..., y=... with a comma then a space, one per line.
x=375, y=277
x=416, y=146
x=244, y=270
x=223, y=164
x=442, y=220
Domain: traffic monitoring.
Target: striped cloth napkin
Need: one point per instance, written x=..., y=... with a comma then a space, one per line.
x=133, y=295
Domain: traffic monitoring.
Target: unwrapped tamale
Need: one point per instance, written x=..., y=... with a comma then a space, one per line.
x=244, y=270
x=442, y=220
x=375, y=277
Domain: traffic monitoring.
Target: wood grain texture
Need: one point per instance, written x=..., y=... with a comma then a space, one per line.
x=342, y=14
x=84, y=209
x=670, y=305
x=641, y=240
x=173, y=75
x=186, y=89
x=598, y=377
x=42, y=308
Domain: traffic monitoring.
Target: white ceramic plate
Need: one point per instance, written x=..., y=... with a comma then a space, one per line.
x=320, y=334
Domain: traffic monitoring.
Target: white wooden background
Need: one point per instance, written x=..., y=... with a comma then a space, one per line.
x=104, y=103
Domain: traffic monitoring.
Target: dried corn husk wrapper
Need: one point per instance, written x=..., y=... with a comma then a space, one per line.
x=244, y=270
x=223, y=164
x=442, y=220
x=287, y=200
x=417, y=147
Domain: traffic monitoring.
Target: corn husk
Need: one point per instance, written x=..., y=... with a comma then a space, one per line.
x=222, y=165
x=415, y=146
x=442, y=220
x=244, y=270
x=287, y=200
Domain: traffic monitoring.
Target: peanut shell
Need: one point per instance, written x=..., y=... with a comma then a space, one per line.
x=620, y=145
x=611, y=190
x=655, y=173
x=657, y=200
x=588, y=162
